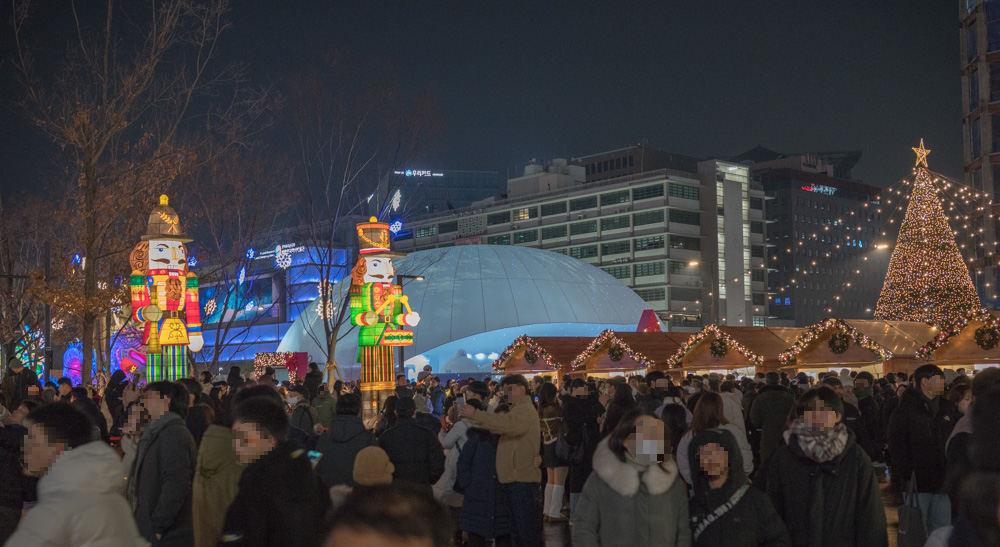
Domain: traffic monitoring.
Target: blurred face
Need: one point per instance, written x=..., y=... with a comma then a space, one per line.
x=155, y=404
x=17, y=417
x=136, y=421
x=250, y=442
x=714, y=460
x=963, y=403
x=39, y=453
x=580, y=392
x=513, y=393
x=648, y=442
x=819, y=416
x=861, y=383
x=401, y=381
x=33, y=391
x=344, y=536
x=64, y=390
x=933, y=386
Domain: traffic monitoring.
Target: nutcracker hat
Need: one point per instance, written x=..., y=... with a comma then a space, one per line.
x=165, y=224
x=374, y=239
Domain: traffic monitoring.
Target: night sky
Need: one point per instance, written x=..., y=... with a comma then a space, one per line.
x=520, y=80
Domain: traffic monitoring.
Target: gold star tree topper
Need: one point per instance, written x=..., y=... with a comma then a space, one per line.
x=921, y=154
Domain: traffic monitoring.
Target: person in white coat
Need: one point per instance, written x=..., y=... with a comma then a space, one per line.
x=453, y=440
x=709, y=414
x=732, y=405
x=79, y=504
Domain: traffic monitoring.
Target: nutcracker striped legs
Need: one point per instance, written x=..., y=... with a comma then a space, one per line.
x=169, y=365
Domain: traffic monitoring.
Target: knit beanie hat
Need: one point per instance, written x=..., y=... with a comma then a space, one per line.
x=372, y=467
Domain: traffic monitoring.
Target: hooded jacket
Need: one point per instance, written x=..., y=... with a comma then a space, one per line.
x=340, y=446
x=414, y=451
x=79, y=504
x=769, y=413
x=750, y=522
x=484, y=508
x=216, y=479
x=732, y=408
x=684, y=450
x=623, y=507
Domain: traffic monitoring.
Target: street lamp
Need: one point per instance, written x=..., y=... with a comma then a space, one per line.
x=402, y=281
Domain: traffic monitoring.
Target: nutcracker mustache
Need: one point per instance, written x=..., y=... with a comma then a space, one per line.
x=166, y=261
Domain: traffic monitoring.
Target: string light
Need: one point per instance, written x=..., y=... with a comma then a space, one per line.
x=678, y=358
x=524, y=341
x=609, y=336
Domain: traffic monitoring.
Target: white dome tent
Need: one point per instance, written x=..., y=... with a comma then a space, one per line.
x=479, y=298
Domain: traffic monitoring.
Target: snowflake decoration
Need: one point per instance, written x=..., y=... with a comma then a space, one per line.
x=396, y=227
x=251, y=252
x=283, y=260
x=397, y=198
x=57, y=324
x=324, y=288
x=327, y=311
x=210, y=307
x=250, y=306
x=192, y=262
x=243, y=275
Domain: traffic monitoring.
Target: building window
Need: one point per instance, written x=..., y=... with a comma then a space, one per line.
x=526, y=236
x=426, y=231
x=758, y=321
x=553, y=232
x=648, y=217
x=757, y=203
x=975, y=139
x=994, y=82
x=580, y=228
x=756, y=227
x=684, y=191
x=580, y=204
x=757, y=251
x=502, y=239
x=996, y=177
x=614, y=223
x=649, y=243
x=587, y=251
x=631, y=161
x=615, y=248
x=759, y=299
x=685, y=217
x=973, y=90
x=550, y=209
x=652, y=295
x=619, y=272
x=498, y=218
x=678, y=267
x=647, y=192
x=560, y=251
x=614, y=198
x=686, y=243
x=649, y=268
x=618, y=163
x=525, y=213
x=606, y=168
x=757, y=275
x=448, y=227
x=971, y=44
x=992, y=26
x=995, y=122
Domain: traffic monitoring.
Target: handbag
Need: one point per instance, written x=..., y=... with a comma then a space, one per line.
x=912, y=532
x=571, y=454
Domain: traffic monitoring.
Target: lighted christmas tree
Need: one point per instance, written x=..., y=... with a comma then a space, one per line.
x=927, y=279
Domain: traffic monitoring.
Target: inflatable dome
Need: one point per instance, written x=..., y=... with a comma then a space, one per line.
x=478, y=299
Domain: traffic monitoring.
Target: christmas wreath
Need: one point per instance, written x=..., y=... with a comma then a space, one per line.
x=531, y=356
x=718, y=348
x=839, y=343
x=987, y=337
x=616, y=352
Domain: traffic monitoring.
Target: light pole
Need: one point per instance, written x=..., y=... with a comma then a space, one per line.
x=711, y=292
x=402, y=281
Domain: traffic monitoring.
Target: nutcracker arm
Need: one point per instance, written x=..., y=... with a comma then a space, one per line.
x=142, y=308
x=192, y=309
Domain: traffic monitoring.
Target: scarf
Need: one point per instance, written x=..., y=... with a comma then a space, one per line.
x=818, y=446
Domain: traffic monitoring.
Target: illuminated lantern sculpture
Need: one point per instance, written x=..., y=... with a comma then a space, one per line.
x=380, y=309
x=165, y=296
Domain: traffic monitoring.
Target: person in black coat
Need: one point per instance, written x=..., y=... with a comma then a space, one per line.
x=581, y=409
x=312, y=380
x=822, y=483
x=484, y=513
x=113, y=400
x=280, y=500
x=17, y=487
x=414, y=450
x=342, y=441
x=869, y=407
x=725, y=511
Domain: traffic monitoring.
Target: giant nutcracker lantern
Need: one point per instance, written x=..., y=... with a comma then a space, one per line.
x=381, y=310
x=165, y=296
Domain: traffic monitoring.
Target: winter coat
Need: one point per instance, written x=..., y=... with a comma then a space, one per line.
x=831, y=504
x=452, y=441
x=303, y=417
x=917, y=439
x=855, y=421
x=340, y=446
x=769, y=413
x=484, y=506
x=741, y=441
x=16, y=487
x=414, y=451
x=870, y=410
x=312, y=381
x=520, y=441
x=436, y=397
x=732, y=409
x=15, y=386
x=622, y=507
x=216, y=480
x=580, y=417
x=326, y=408
x=160, y=482
x=79, y=504
x=280, y=502
x=751, y=522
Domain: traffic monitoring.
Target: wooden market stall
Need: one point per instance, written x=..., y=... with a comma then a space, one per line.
x=626, y=352
x=541, y=355
x=745, y=349
x=869, y=344
x=974, y=342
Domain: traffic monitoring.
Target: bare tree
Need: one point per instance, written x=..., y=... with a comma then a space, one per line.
x=22, y=235
x=121, y=106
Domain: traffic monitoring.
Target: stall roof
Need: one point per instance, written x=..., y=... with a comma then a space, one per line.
x=958, y=346
x=640, y=350
x=555, y=352
x=759, y=345
x=883, y=340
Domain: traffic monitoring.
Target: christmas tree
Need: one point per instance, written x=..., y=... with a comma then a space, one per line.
x=927, y=279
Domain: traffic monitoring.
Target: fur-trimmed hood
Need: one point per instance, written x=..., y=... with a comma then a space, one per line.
x=623, y=477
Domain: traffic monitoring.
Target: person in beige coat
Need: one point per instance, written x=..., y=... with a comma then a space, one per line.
x=216, y=480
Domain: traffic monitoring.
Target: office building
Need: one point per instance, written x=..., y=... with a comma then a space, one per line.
x=632, y=160
x=427, y=191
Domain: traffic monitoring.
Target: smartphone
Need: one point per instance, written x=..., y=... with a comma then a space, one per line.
x=314, y=457
x=460, y=400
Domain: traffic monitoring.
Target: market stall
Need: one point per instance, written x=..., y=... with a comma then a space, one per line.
x=540, y=355
x=974, y=343
x=740, y=350
x=612, y=352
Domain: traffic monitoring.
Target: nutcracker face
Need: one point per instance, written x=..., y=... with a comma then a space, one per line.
x=379, y=269
x=167, y=255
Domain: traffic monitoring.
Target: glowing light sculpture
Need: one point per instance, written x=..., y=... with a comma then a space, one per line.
x=927, y=279
x=164, y=296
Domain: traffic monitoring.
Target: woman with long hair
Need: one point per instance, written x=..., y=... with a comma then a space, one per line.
x=622, y=402
x=709, y=414
x=552, y=425
x=634, y=496
x=388, y=418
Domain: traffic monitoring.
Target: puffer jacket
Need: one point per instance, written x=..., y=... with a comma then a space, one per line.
x=340, y=446
x=216, y=480
x=79, y=504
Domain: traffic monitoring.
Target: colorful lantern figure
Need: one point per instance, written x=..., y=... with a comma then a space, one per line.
x=165, y=296
x=378, y=307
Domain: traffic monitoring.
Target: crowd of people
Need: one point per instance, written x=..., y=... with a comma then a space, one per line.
x=662, y=459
